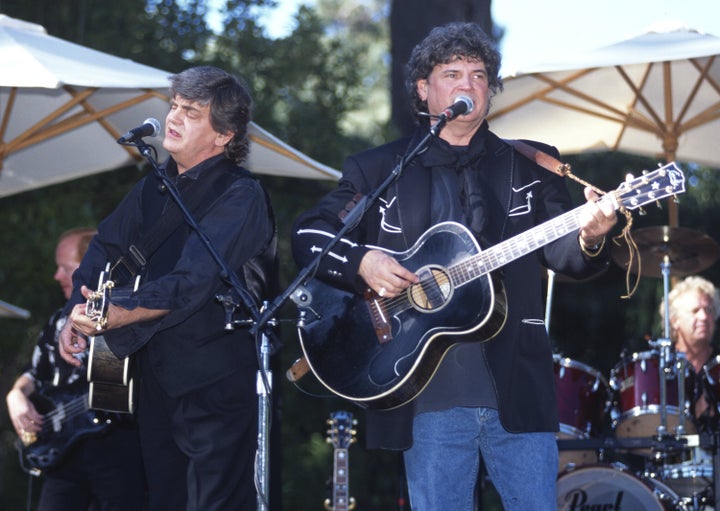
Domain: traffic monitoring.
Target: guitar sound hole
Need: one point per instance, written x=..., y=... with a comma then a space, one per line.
x=433, y=291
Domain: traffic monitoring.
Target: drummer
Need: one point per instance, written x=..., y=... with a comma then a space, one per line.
x=694, y=306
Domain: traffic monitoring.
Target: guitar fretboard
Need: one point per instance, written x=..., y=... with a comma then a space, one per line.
x=341, y=489
x=513, y=248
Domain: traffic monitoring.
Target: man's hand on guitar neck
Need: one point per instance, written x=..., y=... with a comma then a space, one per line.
x=596, y=220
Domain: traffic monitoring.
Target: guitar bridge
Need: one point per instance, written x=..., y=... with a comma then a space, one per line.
x=378, y=316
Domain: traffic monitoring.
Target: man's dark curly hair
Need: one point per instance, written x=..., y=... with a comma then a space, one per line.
x=445, y=44
x=229, y=100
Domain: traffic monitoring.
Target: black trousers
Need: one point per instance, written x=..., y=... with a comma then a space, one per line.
x=199, y=449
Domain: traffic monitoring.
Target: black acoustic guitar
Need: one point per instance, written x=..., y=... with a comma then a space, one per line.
x=341, y=434
x=111, y=383
x=381, y=352
x=66, y=419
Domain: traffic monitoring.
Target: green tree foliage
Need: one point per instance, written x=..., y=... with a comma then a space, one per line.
x=304, y=84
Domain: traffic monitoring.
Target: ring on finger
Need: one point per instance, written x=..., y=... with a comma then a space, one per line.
x=382, y=291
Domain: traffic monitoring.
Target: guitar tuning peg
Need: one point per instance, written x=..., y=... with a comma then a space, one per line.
x=675, y=199
x=641, y=211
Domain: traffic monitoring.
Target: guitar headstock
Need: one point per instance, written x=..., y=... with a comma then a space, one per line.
x=341, y=430
x=665, y=181
x=98, y=301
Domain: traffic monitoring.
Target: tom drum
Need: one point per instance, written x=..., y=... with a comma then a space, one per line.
x=583, y=400
x=637, y=384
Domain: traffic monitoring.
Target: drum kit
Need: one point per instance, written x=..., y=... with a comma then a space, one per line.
x=631, y=441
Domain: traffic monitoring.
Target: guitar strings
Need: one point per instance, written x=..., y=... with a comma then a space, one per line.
x=70, y=410
x=496, y=254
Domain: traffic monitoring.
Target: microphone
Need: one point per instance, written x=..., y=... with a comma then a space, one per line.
x=149, y=128
x=463, y=105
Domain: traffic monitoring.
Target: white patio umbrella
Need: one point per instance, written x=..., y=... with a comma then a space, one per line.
x=657, y=94
x=63, y=106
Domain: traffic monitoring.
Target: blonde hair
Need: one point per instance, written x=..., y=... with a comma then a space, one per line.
x=84, y=237
x=692, y=284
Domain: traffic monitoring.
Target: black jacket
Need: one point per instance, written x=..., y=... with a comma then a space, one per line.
x=520, y=195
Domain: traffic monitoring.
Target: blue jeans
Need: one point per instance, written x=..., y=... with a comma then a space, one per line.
x=442, y=465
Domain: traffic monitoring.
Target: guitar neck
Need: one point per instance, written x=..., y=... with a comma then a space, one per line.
x=513, y=248
x=341, y=489
x=341, y=435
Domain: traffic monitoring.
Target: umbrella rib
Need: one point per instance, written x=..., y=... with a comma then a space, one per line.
x=100, y=116
x=5, y=120
x=613, y=114
x=709, y=114
x=30, y=134
x=6, y=114
x=633, y=116
x=540, y=95
x=565, y=86
x=34, y=136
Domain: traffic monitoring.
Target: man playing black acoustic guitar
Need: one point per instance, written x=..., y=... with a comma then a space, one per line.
x=494, y=398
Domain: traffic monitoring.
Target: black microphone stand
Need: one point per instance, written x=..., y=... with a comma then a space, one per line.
x=300, y=295
x=264, y=388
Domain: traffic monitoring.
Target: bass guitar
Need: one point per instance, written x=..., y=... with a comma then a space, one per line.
x=341, y=434
x=381, y=352
x=66, y=419
x=111, y=382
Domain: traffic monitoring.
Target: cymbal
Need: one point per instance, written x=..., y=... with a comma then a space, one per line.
x=688, y=251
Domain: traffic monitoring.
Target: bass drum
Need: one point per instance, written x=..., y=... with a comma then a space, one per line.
x=583, y=396
x=612, y=487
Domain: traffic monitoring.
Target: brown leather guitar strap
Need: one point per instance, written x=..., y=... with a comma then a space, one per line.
x=555, y=166
x=549, y=162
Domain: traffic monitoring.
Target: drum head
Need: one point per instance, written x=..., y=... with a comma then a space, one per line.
x=607, y=487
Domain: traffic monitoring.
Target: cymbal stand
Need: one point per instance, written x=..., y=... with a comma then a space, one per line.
x=669, y=360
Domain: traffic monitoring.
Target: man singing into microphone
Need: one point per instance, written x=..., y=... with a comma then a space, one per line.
x=196, y=392
x=491, y=400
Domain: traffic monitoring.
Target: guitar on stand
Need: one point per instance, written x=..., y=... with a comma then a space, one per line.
x=111, y=382
x=341, y=434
